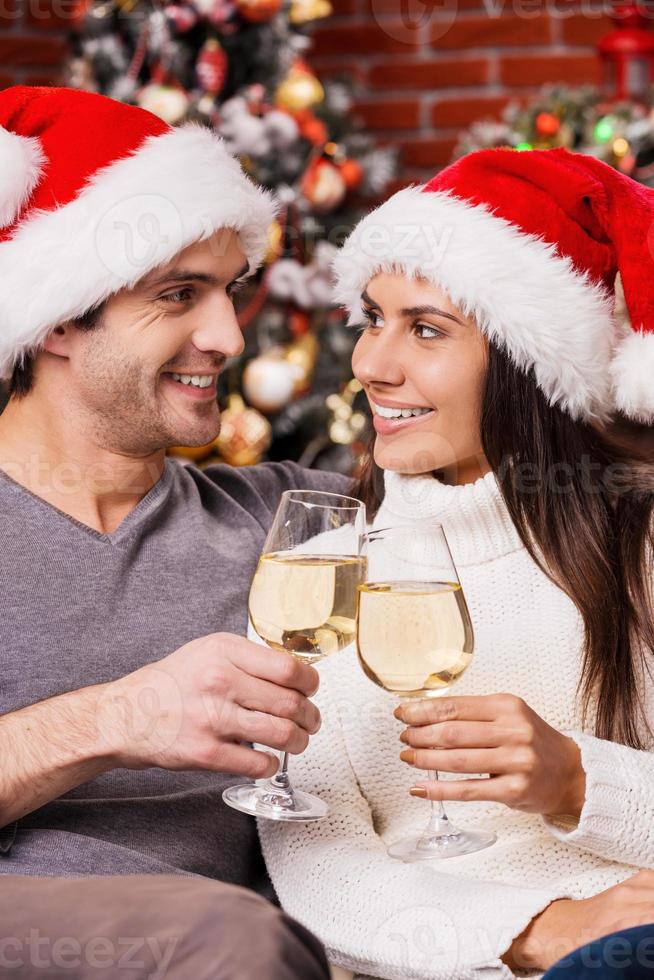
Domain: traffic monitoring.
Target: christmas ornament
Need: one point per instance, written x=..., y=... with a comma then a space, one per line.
x=311, y=128
x=308, y=286
x=258, y=11
x=211, y=66
x=269, y=381
x=547, y=124
x=217, y=12
x=302, y=355
x=300, y=89
x=352, y=173
x=195, y=453
x=170, y=104
x=182, y=17
x=304, y=11
x=323, y=185
x=254, y=135
x=346, y=425
x=275, y=233
x=245, y=435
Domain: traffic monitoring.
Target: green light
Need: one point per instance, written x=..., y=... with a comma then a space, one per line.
x=524, y=146
x=603, y=130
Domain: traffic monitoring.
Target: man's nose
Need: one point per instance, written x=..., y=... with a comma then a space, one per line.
x=219, y=329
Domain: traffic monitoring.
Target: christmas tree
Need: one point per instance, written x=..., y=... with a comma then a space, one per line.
x=240, y=67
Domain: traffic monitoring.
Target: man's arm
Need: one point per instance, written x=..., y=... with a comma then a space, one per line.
x=47, y=749
x=192, y=710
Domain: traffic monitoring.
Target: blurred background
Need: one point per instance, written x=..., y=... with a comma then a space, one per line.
x=336, y=104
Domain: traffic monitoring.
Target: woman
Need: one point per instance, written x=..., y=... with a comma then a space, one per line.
x=487, y=300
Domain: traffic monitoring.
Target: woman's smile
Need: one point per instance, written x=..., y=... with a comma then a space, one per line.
x=389, y=417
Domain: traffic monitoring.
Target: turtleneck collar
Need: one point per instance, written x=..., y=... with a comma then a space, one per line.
x=474, y=516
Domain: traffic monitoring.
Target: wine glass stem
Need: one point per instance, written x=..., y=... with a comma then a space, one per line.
x=281, y=779
x=439, y=821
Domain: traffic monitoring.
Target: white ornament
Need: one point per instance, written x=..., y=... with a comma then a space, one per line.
x=269, y=382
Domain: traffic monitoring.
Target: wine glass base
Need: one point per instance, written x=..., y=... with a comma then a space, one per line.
x=250, y=798
x=428, y=847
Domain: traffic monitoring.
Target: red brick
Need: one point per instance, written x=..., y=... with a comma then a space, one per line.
x=388, y=115
x=582, y=29
x=429, y=74
x=461, y=112
x=52, y=14
x=342, y=8
x=533, y=71
x=466, y=33
x=10, y=12
x=19, y=50
x=427, y=153
x=359, y=39
x=333, y=67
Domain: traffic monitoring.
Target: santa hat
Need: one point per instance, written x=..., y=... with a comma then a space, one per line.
x=94, y=194
x=530, y=244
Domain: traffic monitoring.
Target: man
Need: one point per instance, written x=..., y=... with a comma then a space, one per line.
x=128, y=689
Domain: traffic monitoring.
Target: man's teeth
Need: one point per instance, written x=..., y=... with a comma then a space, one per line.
x=399, y=413
x=197, y=380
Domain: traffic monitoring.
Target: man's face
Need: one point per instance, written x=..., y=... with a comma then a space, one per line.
x=124, y=376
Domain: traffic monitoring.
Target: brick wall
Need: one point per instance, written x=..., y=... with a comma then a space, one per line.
x=420, y=77
x=424, y=76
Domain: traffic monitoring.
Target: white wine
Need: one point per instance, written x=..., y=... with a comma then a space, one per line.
x=413, y=638
x=306, y=604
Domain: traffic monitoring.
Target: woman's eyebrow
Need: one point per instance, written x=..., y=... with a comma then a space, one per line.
x=424, y=310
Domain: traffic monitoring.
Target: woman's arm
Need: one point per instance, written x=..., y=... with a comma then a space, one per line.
x=617, y=817
x=374, y=914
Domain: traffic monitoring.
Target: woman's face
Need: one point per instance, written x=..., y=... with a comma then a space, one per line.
x=417, y=351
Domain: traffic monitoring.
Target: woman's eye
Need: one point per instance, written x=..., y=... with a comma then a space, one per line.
x=370, y=319
x=179, y=296
x=431, y=331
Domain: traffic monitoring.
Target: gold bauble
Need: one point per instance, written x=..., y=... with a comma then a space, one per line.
x=304, y=11
x=299, y=90
x=245, y=434
x=196, y=453
x=302, y=354
x=275, y=233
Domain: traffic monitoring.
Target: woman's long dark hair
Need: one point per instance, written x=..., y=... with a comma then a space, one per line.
x=586, y=520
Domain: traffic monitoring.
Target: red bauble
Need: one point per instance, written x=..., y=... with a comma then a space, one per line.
x=211, y=67
x=258, y=11
x=547, y=124
x=352, y=173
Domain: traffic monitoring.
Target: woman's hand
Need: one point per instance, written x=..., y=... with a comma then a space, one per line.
x=566, y=925
x=532, y=767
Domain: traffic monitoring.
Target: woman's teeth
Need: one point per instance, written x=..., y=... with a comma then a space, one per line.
x=399, y=413
x=197, y=380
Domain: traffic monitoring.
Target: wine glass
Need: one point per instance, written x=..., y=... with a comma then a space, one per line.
x=303, y=600
x=415, y=638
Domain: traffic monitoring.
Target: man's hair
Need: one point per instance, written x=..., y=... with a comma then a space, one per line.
x=22, y=378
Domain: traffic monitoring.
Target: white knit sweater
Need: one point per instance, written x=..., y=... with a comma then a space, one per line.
x=453, y=919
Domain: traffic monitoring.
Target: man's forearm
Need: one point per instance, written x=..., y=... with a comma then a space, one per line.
x=48, y=748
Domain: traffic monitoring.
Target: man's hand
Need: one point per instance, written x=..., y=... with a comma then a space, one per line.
x=566, y=925
x=532, y=767
x=193, y=708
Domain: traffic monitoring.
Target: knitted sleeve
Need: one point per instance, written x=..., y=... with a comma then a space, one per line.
x=617, y=819
x=376, y=915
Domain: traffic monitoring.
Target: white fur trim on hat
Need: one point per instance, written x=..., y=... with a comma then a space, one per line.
x=131, y=217
x=521, y=292
x=21, y=165
x=632, y=376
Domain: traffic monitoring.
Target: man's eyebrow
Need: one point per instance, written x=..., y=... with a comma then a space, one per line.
x=424, y=310
x=187, y=275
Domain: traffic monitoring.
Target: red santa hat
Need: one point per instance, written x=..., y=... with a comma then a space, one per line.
x=94, y=194
x=530, y=244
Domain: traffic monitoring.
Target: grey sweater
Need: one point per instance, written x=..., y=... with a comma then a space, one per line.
x=79, y=607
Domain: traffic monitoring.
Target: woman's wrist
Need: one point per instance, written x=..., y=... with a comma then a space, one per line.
x=544, y=941
x=573, y=784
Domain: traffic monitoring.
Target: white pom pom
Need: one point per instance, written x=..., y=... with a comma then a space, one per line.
x=21, y=165
x=632, y=374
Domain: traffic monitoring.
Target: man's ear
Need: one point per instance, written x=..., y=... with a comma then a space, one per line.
x=58, y=340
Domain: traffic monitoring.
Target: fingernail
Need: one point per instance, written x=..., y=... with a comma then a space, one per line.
x=398, y=712
x=418, y=791
x=404, y=737
x=408, y=756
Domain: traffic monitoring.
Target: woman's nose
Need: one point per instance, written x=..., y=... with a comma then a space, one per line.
x=378, y=360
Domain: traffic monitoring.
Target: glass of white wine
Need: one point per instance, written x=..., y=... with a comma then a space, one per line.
x=303, y=600
x=414, y=639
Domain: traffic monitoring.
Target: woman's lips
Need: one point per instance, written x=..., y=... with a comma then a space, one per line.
x=386, y=427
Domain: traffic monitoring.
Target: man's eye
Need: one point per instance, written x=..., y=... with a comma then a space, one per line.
x=179, y=296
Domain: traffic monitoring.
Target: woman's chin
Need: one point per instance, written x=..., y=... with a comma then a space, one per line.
x=410, y=459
